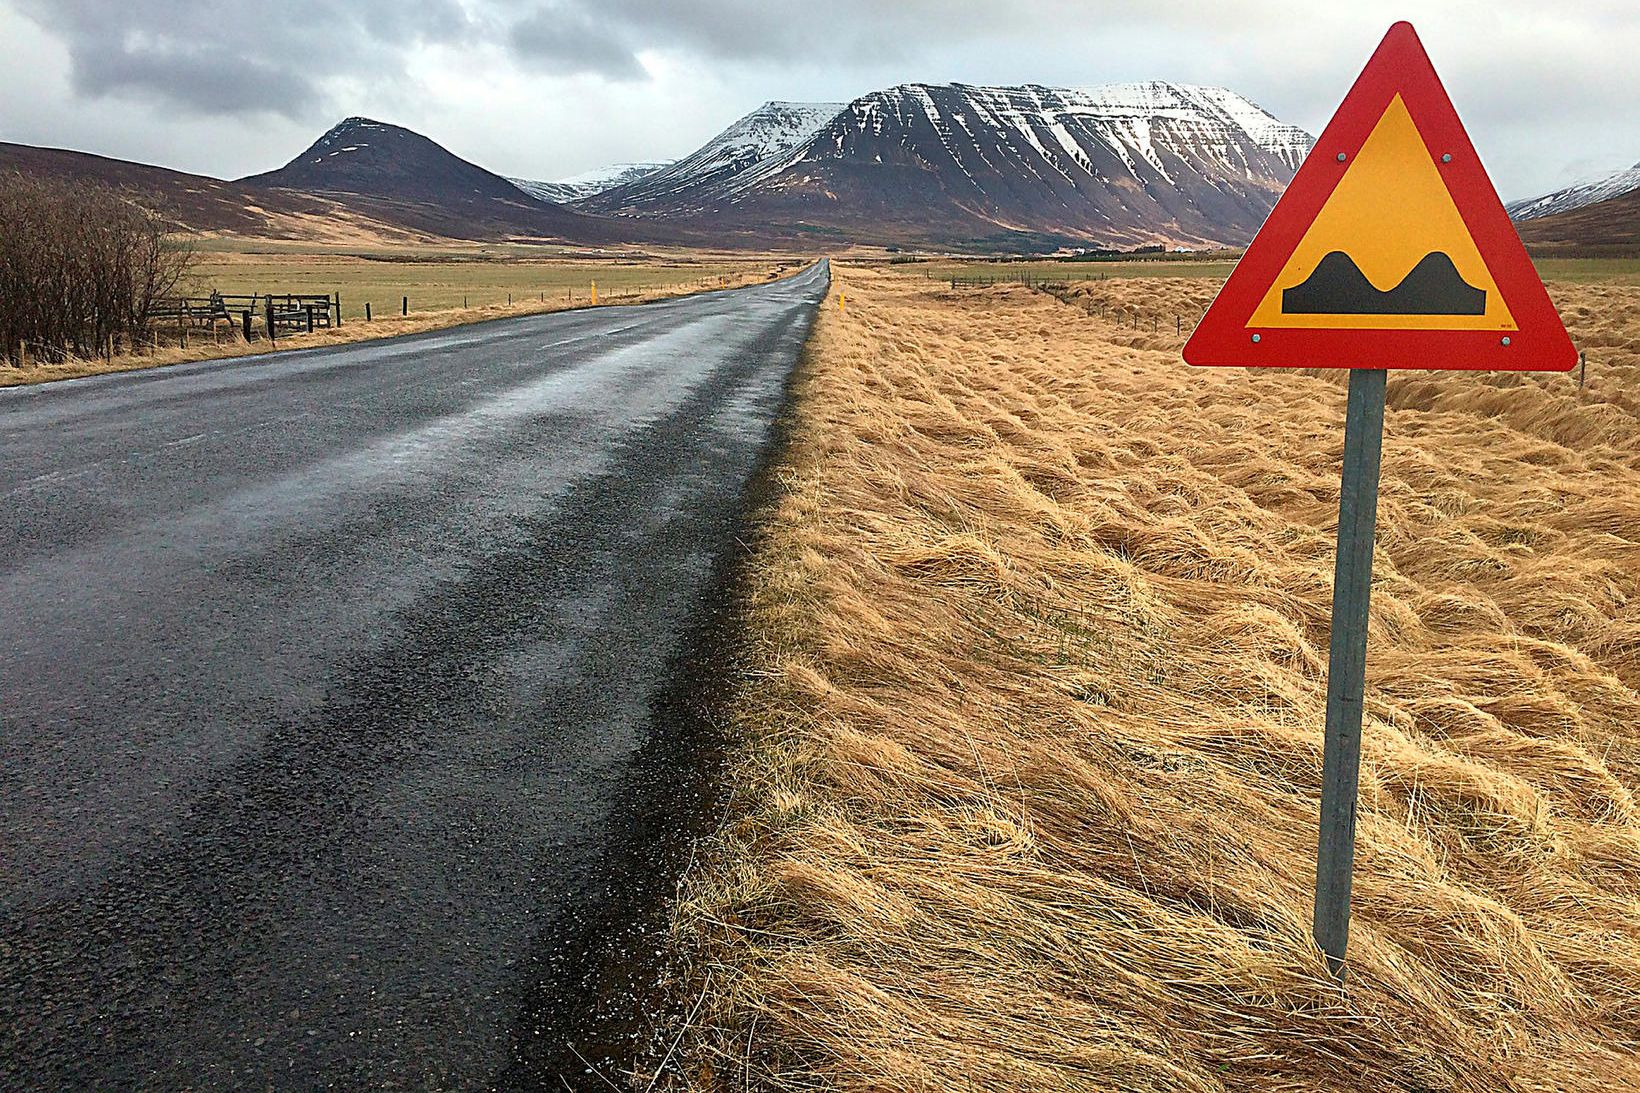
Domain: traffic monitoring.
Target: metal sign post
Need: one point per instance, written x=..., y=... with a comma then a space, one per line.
x=1390, y=249
x=1347, y=661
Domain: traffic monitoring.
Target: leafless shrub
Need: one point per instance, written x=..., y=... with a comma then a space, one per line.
x=81, y=265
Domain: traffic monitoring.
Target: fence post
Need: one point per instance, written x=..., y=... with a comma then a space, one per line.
x=273, y=335
x=367, y=311
x=338, y=309
x=406, y=309
x=245, y=325
x=308, y=308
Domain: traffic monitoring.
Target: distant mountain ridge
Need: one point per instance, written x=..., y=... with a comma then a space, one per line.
x=201, y=204
x=1609, y=228
x=1577, y=196
x=946, y=166
x=399, y=175
x=587, y=184
x=956, y=165
x=706, y=176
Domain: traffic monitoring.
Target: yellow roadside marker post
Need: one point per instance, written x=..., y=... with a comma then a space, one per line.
x=595, y=292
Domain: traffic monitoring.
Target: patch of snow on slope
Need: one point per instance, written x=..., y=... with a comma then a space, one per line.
x=1576, y=196
x=588, y=183
x=1212, y=123
x=753, y=147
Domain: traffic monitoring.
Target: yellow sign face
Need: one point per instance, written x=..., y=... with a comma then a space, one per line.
x=1388, y=251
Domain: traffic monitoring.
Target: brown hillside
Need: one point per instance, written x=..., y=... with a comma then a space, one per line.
x=206, y=204
x=399, y=176
x=1606, y=228
x=408, y=191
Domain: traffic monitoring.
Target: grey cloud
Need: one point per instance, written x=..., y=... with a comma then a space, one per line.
x=750, y=30
x=237, y=59
x=856, y=32
x=570, y=42
x=176, y=72
x=1543, y=88
x=850, y=31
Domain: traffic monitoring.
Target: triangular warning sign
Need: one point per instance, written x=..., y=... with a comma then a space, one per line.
x=1390, y=249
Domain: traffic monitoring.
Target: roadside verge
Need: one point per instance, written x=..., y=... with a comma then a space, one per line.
x=353, y=331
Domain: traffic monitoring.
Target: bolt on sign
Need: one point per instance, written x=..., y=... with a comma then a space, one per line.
x=1390, y=249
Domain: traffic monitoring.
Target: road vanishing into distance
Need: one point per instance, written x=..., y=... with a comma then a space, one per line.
x=344, y=692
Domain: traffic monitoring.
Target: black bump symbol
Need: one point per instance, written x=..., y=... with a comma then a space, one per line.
x=1338, y=287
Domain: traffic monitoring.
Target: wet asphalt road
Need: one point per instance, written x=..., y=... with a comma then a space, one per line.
x=324, y=677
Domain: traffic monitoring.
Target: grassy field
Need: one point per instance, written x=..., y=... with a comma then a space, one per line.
x=1611, y=271
x=1588, y=270
x=1027, y=764
x=939, y=270
x=446, y=288
x=439, y=279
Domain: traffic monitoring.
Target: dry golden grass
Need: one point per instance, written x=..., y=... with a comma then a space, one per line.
x=203, y=346
x=1027, y=772
x=441, y=278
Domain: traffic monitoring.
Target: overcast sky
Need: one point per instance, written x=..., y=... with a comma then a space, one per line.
x=549, y=88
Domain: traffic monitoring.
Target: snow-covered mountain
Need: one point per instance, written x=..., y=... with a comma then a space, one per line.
x=1576, y=197
x=591, y=182
x=1002, y=166
x=948, y=165
x=701, y=178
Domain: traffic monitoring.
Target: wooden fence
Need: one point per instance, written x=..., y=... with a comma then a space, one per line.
x=267, y=313
x=1029, y=280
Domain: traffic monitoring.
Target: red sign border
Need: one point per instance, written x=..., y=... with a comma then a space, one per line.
x=1399, y=66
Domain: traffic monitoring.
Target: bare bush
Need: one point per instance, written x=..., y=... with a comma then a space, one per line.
x=81, y=266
